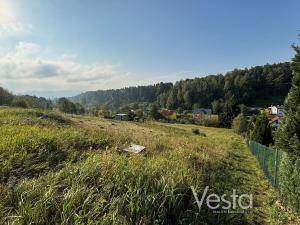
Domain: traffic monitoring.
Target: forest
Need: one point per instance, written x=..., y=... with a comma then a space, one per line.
x=224, y=94
x=24, y=101
x=256, y=86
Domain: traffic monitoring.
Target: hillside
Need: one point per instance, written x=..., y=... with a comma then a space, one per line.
x=57, y=169
x=119, y=97
x=24, y=101
x=259, y=86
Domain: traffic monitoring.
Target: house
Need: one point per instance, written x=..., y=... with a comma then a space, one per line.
x=276, y=113
x=122, y=116
x=202, y=113
x=168, y=114
x=276, y=110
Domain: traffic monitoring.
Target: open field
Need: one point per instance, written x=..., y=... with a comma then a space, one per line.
x=60, y=169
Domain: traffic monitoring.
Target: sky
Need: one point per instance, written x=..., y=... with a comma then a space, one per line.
x=55, y=48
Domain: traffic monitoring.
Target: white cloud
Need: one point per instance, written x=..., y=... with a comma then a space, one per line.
x=12, y=24
x=27, y=49
x=68, y=56
x=11, y=29
x=26, y=68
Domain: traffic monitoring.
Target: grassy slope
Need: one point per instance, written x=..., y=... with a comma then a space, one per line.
x=64, y=171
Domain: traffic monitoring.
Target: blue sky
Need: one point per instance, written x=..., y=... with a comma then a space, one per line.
x=56, y=48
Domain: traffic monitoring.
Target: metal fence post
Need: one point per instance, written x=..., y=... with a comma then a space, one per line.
x=264, y=158
x=276, y=169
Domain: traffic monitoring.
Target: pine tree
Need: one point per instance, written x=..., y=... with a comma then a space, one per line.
x=288, y=140
x=5, y=97
x=251, y=126
x=154, y=112
x=172, y=100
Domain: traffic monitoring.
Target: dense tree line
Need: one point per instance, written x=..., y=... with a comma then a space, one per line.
x=259, y=86
x=66, y=106
x=5, y=97
x=27, y=101
x=120, y=97
x=24, y=101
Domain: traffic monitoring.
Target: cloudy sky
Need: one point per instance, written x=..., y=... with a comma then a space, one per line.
x=61, y=48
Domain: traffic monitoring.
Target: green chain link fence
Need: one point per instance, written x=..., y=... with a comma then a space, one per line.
x=269, y=160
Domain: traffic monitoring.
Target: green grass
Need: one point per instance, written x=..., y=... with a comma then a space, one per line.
x=58, y=169
x=28, y=151
x=31, y=117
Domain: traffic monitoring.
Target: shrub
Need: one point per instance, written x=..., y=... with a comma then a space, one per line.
x=262, y=132
x=19, y=103
x=196, y=131
x=240, y=124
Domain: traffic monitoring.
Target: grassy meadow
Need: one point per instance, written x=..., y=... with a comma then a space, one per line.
x=62, y=169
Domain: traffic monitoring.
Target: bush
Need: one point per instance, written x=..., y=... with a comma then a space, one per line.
x=66, y=106
x=213, y=121
x=198, y=132
x=262, y=132
x=240, y=124
x=183, y=121
x=19, y=103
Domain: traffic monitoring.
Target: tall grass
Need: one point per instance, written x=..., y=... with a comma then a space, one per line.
x=17, y=116
x=107, y=188
x=31, y=150
x=58, y=170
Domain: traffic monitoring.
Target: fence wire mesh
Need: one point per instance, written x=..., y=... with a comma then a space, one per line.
x=269, y=160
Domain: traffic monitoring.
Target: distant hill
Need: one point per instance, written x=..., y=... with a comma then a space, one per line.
x=24, y=101
x=259, y=85
x=118, y=97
